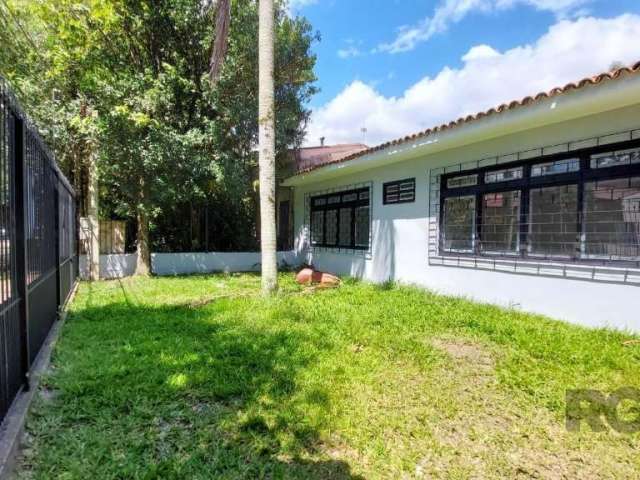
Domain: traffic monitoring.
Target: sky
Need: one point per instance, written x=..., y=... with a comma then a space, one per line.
x=395, y=67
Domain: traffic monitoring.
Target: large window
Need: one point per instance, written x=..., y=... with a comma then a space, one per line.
x=583, y=206
x=341, y=219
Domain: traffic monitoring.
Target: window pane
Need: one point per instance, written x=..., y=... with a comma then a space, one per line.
x=459, y=223
x=319, y=201
x=500, y=230
x=362, y=227
x=334, y=199
x=503, y=175
x=462, y=181
x=553, y=213
x=612, y=159
x=331, y=234
x=612, y=218
x=350, y=197
x=553, y=168
x=317, y=227
x=345, y=227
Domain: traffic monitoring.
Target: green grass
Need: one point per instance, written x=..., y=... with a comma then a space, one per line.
x=200, y=377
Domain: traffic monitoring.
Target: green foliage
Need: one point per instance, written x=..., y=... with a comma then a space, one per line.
x=127, y=79
x=201, y=377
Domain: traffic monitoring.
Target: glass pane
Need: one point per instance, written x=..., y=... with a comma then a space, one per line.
x=364, y=195
x=317, y=227
x=350, y=197
x=331, y=235
x=462, y=181
x=362, y=227
x=334, y=199
x=612, y=218
x=500, y=229
x=504, y=175
x=553, y=168
x=459, y=223
x=612, y=159
x=319, y=201
x=553, y=226
x=345, y=227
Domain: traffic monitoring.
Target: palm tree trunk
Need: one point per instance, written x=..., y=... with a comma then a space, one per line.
x=266, y=121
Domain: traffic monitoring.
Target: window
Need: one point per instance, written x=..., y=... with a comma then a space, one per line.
x=462, y=181
x=612, y=159
x=401, y=191
x=583, y=207
x=459, y=224
x=341, y=220
x=500, y=229
x=553, y=221
x=612, y=218
x=554, y=168
x=503, y=175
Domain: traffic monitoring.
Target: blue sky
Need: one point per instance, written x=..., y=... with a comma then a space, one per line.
x=389, y=51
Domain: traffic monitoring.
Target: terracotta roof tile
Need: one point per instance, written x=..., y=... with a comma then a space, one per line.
x=594, y=80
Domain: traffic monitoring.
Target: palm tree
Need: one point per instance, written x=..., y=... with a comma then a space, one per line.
x=266, y=125
x=267, y=146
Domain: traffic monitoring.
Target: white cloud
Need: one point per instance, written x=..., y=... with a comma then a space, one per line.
x=569, y=51
x=295, y=5
x=453, y=11
x=349, y=52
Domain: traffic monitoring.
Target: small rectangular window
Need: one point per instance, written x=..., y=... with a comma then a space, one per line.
x=331, y=227
x=401, y=191
x=462, y=181
x=614, y=159
x=568, y=165
x=459, y=224
x=505, y=175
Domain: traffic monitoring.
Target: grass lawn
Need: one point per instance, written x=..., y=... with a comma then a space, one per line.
x=199, y=377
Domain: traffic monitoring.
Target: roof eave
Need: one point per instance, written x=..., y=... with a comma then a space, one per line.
x=571, y=105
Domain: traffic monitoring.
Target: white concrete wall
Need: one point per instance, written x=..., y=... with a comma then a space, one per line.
x=124, y=265
x=111, y=266
x=400, y=237
x=185, y=263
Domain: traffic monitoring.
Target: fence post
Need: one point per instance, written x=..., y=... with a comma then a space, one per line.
x=21, y=243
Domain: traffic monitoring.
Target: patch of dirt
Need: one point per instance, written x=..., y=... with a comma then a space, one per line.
x=465, y=351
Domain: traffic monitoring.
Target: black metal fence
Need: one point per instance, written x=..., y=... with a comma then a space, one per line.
x=38, y=254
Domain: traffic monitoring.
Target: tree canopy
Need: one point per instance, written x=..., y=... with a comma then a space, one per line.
x=127, y=80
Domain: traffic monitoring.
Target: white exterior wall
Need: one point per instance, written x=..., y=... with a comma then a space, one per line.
x=400, y=235
x=186, y=263
x=117, y=265
x=124, y=265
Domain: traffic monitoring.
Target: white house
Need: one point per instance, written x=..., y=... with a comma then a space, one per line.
x=532, y=205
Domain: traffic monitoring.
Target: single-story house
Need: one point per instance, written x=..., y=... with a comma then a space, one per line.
x=534, y=205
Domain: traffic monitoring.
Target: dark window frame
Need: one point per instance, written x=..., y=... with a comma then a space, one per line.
x=584, y=175
x=387, y=185
x=351, y=204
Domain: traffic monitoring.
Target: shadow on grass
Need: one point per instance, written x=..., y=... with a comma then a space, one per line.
x=180, y=392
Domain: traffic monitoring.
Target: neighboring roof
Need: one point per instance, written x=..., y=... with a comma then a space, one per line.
x=526, y=101
x=310, y=158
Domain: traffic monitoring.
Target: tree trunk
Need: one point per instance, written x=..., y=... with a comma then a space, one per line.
x=93, y=247
x=143, y=261
x=266, y=121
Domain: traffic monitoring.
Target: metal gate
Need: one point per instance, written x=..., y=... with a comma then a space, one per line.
x=38, y=247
